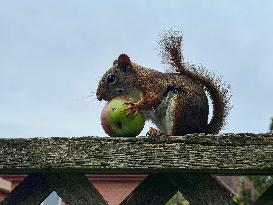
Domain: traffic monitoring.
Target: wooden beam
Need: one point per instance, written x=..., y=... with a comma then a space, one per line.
x=239, y=154
x=202, y=189
x=33, y=190
x=156, y=189
x=74, y=189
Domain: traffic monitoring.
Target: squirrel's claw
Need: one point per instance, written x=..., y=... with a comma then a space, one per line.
x=132, y=109
x=130, y=104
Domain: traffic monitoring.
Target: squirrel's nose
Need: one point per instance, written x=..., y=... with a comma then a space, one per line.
x=99, y=97
x=98, y=94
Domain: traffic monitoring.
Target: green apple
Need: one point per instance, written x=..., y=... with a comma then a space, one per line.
x=116, y=124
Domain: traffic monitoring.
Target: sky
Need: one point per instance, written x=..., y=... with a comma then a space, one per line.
x=53, y=54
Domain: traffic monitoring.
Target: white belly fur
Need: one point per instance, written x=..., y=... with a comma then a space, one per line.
x=163, y=115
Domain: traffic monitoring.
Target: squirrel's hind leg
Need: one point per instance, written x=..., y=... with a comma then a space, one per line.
x=185, y=114
x=179, y=114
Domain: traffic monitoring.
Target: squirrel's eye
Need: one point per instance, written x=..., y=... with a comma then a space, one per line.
x=111, y=79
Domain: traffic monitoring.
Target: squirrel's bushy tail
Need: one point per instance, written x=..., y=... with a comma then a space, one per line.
x=171, y=43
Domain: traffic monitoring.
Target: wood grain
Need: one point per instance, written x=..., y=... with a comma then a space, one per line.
x=237, y=154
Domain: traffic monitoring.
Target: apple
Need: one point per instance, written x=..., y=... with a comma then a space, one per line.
x=115, y=124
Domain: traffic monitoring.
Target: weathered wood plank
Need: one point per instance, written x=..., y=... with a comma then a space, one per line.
x=202, y=189
x=74, y=189
x=156, y=189
x=214, y=154
x=33, y=190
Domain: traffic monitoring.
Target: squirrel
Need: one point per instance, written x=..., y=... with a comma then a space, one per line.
x=176, y=102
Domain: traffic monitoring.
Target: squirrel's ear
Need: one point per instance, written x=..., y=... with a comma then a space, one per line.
x=124, y=62
x=123, y=59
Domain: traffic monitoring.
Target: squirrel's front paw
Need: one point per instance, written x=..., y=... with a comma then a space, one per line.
x=131, y=109
x=154, y=133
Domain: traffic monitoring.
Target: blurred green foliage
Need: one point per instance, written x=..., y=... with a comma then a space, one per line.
x=246, y=194
x=177, y=199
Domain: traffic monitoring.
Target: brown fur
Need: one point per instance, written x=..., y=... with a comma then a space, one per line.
x=176, y=102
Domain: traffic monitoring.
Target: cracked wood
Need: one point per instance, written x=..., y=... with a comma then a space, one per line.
x=212, y=154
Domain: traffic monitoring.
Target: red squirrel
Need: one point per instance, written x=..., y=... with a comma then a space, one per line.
x=176, y=102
